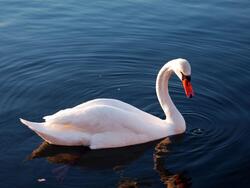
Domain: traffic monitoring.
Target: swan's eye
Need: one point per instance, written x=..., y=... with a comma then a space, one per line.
x=186, y=77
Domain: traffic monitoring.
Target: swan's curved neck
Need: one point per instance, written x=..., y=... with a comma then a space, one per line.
x=170, y=110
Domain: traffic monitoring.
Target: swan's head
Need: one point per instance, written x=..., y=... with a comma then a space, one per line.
x=182, y=69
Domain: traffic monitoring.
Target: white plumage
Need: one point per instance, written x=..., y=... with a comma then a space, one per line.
x=108, y=123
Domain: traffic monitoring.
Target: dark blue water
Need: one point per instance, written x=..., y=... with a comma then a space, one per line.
x=57, y=54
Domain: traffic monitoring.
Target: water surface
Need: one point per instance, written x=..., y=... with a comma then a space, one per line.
x=57, y=54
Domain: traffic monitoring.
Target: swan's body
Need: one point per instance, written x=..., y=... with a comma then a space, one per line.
x=108, y=123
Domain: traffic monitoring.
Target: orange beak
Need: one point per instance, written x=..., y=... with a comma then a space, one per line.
x=188, y=88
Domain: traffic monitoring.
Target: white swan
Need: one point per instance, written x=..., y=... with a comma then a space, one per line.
x=109, y=123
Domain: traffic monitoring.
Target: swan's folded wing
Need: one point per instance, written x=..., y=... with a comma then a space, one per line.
x=58, y=114
x=68, y=116
x=96, y=119
x=92, y=119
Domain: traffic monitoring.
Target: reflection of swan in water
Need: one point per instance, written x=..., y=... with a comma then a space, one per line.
x=171, y=180
x=112, y=158
x=83, y=157
x=86, y=158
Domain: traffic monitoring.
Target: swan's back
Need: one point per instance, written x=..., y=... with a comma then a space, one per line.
x=94, y=103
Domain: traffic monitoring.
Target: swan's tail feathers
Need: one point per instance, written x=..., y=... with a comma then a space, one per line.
x=33, y=125
x=40, y=129
x=58, y=136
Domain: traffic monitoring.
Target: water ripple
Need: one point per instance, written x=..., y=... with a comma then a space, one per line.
x=57, y=55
